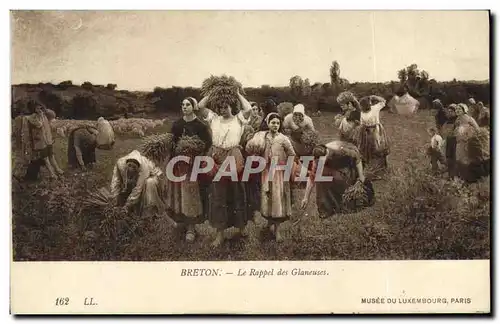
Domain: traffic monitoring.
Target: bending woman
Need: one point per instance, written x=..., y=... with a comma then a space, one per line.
x=343, y=163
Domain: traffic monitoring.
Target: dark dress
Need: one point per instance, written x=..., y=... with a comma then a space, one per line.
x=186, y=199
x=341, y=165
x=86, y=141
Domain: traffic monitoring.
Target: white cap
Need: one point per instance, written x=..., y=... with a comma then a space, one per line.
x=299, y=109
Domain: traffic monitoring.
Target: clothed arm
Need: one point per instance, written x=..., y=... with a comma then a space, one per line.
x=287, y=145
x=116, y=182
x=78, y=151
x=380, y=103
x=246, y=107
x=35, y=120
x=135, y=195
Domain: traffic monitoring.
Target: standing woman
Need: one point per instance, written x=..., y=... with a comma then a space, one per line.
x=349, y=120
x=228, y=201
x=372, y=140
x=36, y=141
x=187, y=201
x=344, y=164
x=275, y=195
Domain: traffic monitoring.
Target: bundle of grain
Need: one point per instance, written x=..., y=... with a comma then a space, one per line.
x=106, y=136
x=479, y=146
x=190, y=146
x=221, y=91
x=406, y=105
x=157, y=148
x=356, y=196
x=309, y=139
x=347, y=96
x=284, y=108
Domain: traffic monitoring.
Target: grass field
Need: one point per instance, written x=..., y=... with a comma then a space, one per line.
x=416, y=216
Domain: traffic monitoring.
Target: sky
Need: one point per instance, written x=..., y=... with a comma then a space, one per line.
x=139, y=50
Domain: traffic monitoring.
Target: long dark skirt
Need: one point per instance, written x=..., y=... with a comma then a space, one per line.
x=329, y=194
x=374, y=155
x=228, y=205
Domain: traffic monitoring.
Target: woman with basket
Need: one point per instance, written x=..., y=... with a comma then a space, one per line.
x=230, y=112
x=187, y=201
x=348, y=188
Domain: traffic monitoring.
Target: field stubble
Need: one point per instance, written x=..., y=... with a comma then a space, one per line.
x=416, y=216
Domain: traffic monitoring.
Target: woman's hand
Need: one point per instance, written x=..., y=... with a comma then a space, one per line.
x=362, y=178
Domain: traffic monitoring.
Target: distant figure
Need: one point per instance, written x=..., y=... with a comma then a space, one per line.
x=255, y=116
x=435, y=150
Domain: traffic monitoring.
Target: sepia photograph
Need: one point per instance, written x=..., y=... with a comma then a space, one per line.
x=102, y=101
x=211, y=135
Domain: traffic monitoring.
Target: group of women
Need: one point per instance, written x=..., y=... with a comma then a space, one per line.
x=465, y=129
x=245, y=131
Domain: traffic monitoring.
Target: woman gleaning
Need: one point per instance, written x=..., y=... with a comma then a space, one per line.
x=228, y=201
x=83, y=141
x=187, y=201
x=275, y=195
x=343, y=163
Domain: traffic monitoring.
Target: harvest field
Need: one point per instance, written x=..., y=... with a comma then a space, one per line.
x=416, y=215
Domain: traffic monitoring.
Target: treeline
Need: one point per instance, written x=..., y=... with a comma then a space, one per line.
x=88, y=101
x=323, y=96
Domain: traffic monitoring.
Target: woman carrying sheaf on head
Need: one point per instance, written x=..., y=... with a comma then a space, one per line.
x=228, y=205
x=372, y=140
x=275, y=192
x=187, y=201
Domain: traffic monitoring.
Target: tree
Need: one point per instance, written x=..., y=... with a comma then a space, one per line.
x=306, y=88
x=335, y=73
x=296, y=85
x=402, y=76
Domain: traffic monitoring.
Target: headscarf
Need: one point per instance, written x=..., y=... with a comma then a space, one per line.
x=270, y=117
x=299, y=108
x=193, y=102
x=472, y=101
x=464, y=107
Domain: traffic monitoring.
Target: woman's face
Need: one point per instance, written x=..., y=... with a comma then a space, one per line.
x=274, y=125
x=38, y=109
x=226, y=112
x=298, y=118
x=255, y=110
x=187, y=107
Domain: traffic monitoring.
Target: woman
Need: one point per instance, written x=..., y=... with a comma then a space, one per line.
x=228, y=201
x=37, y=141
x=269, y=106
x=344, y=164
x=348, y=121
x=187, y=201
x=135, y=184
x=372, y=140
x=470, y=159
x=275, y=197
x=256, y=116
x=82, y=143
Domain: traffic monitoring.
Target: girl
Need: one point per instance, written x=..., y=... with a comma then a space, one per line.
x=348, y=121
x=187, y=200
x=343, y=163
x=276, y=204
x=228, y=201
